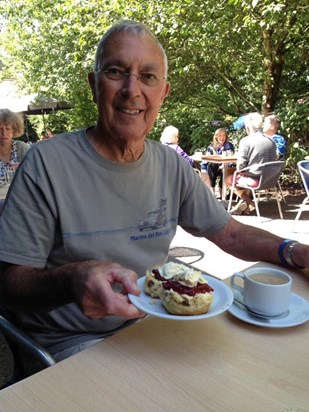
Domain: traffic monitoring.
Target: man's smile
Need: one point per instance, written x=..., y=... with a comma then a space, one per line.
x=130, y=112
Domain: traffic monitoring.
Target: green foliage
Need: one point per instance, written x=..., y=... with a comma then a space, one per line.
x=226, y=58
x=291, y=111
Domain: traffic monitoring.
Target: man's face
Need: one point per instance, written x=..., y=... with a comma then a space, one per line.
x=128, y=107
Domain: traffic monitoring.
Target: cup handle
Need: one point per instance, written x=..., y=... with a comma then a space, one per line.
x=234, y=285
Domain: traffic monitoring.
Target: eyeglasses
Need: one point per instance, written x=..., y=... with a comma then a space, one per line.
x=149, y=79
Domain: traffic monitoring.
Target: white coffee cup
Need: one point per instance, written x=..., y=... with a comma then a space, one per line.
x=266, y=291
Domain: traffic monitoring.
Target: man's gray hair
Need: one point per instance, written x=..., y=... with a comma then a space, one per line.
x=273, y=120
x=254, y=121
x=127, y=26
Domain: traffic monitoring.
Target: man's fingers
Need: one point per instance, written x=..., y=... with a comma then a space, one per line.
x=126, y=309
x=128, y=280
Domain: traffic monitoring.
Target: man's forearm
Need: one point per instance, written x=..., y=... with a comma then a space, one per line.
x=30, y=289
x=87, y=283
x=254, y=244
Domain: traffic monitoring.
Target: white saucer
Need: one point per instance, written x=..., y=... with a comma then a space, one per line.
x=298, y=313
x=223, y=298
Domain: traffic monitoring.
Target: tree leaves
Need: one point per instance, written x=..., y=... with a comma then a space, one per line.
x=226, y=57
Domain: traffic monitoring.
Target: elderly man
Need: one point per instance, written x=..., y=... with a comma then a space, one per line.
x=254, y=149
x=72, y=256
x=270, y=127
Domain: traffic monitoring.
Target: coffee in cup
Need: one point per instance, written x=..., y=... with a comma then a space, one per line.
x=266, y=291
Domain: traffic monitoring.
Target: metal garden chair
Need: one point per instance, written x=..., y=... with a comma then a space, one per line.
x=21, y=343
x=270, y=173
x=303, y=168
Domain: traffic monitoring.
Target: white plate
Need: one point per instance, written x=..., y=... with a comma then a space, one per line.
x=298, y=314
x=223, y=298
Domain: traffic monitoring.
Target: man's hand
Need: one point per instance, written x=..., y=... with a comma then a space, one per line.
x=101, y=289
x=98, y=287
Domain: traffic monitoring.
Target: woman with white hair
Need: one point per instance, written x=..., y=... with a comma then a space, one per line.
x=11, y=152
x=170, y=137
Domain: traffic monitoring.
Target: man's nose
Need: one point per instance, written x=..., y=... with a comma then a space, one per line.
x=132, y=84
x=129, y=74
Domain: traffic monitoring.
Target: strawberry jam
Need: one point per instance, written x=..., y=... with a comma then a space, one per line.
x=157, y=275
x=187, y=290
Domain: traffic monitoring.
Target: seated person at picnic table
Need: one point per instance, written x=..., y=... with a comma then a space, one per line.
x=11, y=151
x=219, y=144
x=254, y=149
x=47, y=135
x=170, y=137
x=270, y=127
x=72, y=256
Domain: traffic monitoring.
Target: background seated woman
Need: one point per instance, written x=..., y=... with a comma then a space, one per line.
x=170, y=137
x=219, y=144
x=11, y=152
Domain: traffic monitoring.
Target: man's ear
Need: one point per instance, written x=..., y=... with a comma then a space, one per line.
x=166, y=92
x=92, y=84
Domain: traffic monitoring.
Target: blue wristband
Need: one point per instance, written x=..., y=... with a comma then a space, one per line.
x=281, y=249
x=288, y=261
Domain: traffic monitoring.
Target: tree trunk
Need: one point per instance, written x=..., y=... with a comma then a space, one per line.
x=273, y=63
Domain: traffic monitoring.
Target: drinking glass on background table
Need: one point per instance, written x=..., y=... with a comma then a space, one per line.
x=197, y=156
x=3, y=185
x=266, y=291
x=9, y=175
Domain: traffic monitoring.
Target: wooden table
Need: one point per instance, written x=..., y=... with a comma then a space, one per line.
x=219, y=364
x=222, y=160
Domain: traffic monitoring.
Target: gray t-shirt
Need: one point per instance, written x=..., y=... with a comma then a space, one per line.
x=68, y=203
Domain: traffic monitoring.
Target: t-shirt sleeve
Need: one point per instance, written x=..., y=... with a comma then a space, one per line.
x=201, y=214
x=28, y=220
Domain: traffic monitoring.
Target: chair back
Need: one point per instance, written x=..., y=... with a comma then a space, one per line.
x=303, y=168
x=270, y=173
x=19, y=342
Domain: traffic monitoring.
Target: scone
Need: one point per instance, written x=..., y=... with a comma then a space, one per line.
x=155, y=278
x=187, y=294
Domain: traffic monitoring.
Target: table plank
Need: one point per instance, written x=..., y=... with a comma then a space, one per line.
x=219, y=158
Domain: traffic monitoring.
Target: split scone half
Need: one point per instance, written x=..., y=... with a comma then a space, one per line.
x=186, y=294
x=155, y=278
x=182, y=290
